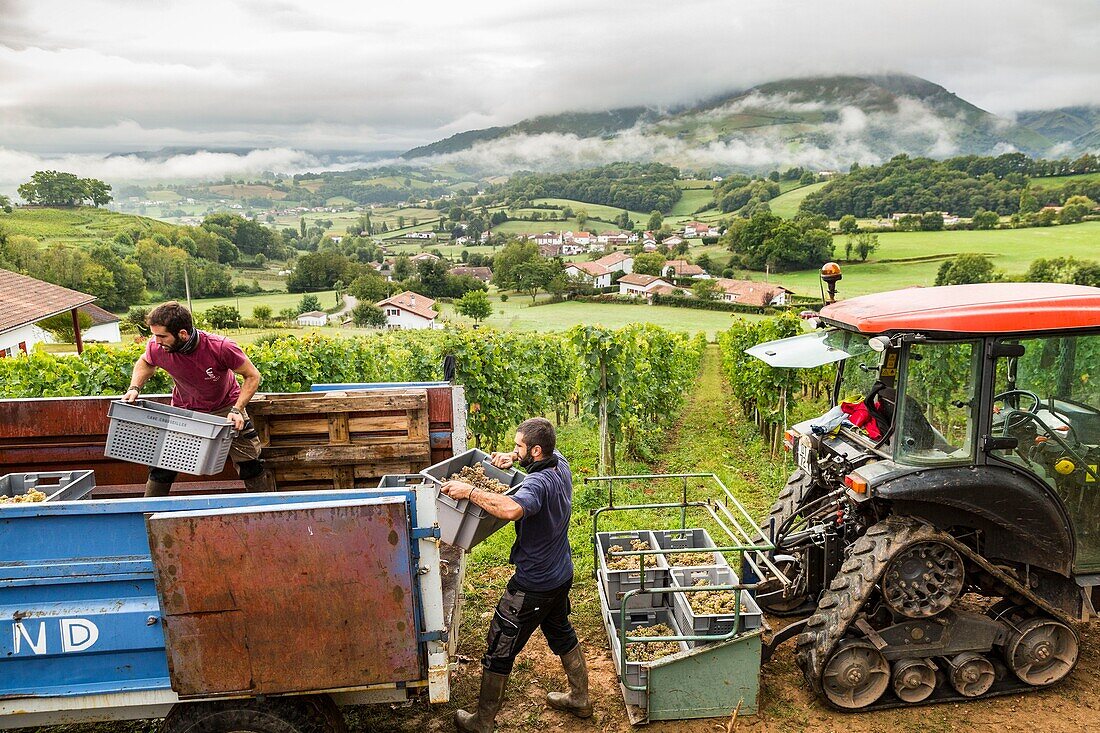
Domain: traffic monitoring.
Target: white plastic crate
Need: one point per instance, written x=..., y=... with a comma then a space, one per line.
x=168, y=437
x=696, y=624
x=618, y=582
x=56, y=485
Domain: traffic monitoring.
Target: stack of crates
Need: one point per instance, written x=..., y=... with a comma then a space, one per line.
x=714, y=570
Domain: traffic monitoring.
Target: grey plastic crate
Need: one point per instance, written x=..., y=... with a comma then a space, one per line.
x=710, y=624
x=168, y=437
x=401, y=480
x=618, y=582
x=56, y=485
x=461, y=523
x=637, y=673
x=687, y=540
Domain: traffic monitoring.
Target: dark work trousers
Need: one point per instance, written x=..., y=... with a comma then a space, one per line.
x=518, y=614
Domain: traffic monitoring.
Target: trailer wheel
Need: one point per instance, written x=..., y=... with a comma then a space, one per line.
x=307, y=714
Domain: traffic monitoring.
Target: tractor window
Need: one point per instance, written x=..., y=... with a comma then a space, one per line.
x=937, y=411
x=1047, y=397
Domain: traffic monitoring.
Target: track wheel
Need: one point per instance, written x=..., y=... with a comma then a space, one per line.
x=923, y=580
x=855, y=676
x=914, y=679
x=972, y=674
x=1042, y=651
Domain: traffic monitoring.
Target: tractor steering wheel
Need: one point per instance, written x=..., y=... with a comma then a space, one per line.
x=1015, y=418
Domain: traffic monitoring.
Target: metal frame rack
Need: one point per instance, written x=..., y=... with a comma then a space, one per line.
x=721, y=672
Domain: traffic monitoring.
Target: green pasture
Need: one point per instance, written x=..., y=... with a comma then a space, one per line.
x=597, y=211
x=690, y=200
x=275, y=301
x=72, y=225
x=1059, y=181
x=786, y=204
x=1012, y=250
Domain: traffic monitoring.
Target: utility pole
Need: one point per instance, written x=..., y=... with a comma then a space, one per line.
x=187, y=288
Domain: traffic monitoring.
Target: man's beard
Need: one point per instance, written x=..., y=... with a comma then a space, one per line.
x=526, y=461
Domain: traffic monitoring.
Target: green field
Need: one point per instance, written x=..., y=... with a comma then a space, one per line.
x=1059, y=181
x=696, y=194
x=1011, y=250
x=74, y=225
x=786, y=204
x=275, y=301
x=517, y=315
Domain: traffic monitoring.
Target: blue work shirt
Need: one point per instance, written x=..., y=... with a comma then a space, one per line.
x=541, y=551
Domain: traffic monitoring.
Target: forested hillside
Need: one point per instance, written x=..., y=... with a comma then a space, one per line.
x=631, y=186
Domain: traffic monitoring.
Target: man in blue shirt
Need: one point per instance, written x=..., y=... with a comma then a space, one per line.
x=537, y=595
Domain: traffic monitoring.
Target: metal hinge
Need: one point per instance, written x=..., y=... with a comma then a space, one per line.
x=437, y=635
x=423, y=533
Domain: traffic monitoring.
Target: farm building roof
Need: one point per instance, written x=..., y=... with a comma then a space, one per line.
x=25, y=300
x=595, y=269
x=751, y=291
x=98, y=315
x=682, y=268
x=986, y=309
x=484, y=274
x=313, y=314
x=614, y=258
x=636, y=279
x=412, y=302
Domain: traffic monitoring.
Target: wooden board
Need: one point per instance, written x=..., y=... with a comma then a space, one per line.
x=343, y=439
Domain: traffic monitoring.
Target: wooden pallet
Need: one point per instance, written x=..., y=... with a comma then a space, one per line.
x=342, y=440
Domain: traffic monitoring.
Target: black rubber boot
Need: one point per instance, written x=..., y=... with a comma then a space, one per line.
x=264, y=482
x=576, y=701
x=488, y=704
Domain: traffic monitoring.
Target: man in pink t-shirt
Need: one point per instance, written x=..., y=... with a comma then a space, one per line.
x=203, y=367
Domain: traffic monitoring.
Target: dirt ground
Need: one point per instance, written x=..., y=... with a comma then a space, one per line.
x=786, y=704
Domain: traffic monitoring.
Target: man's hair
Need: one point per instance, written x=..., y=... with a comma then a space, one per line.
x=172, y=316
x=539, y=431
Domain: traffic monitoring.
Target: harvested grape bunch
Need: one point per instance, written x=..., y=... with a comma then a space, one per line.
x=630, y=562
x=689, y=559
x=30, y=496
x=647, y=651
x=713, y=602
x=475, y=476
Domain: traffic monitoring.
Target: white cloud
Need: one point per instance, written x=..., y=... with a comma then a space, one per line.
x=110, y=75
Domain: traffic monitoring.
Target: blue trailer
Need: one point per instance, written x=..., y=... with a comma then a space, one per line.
x=225, y=609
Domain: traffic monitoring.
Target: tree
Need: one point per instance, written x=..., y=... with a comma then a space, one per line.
x=1028, y=203
x=262, y=313
x=806, y=178
x=5, y=204
x=967, y=268
x=371, y=287
x=61, y=325
x=848, y=224
x=535, y=275
x=56, y=188
x=649, y=263
x=985, y=219
x=582, y=218
x=309, y=302
x=288, y=314
x=1072, y=213
x=1064, y=270
x=655, y=220
x=707, y=289
x=368, y=315
x=623, y=221
x=137, y=317
x=223, y=316
x=866, y=243
x=931, y=222
x=510, y=259
x=475, y=304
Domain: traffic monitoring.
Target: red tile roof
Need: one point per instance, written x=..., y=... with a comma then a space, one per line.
x=614, y=258
x=484, y=274
x=410, y=301
x=640, y=280
x=99, y=315
x=595, y=269
x=24, y=300
x=751, y=292
x=682, y=268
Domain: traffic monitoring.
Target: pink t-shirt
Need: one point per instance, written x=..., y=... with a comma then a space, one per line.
x=204, y=379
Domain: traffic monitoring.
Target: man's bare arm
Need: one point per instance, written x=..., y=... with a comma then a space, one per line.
x=499, y=505
x=141, y=373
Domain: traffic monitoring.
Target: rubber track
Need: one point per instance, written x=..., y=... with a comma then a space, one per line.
x=870, y=554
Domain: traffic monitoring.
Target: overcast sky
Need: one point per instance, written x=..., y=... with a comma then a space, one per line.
x=91, y=76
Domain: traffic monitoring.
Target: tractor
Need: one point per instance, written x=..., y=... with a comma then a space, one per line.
x=940, y=537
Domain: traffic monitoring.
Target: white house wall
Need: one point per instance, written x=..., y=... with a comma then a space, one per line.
x=28, y=334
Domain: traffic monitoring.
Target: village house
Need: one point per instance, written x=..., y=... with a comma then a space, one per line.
x=683, y=268
x=408, y=310
x=597, y=247
x=592, y=273
x=618, y=262
x=424, y=257
x=312, y=318
x=24, y=302
x=571, y=248
x=421, y=235
x=698, y=229
x=547, y=238
x=649, y=245
x=484, y=274
x=584, y=238
x=641, y=285
x=673, y=241
x=105, y=328
x=751, y=292
x=550, y=250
